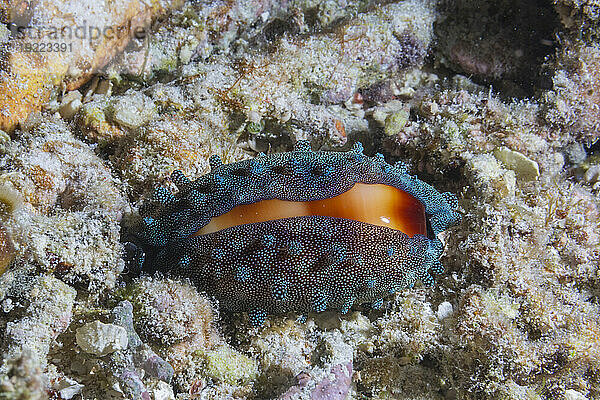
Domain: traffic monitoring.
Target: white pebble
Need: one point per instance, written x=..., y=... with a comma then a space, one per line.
x=524, y=167
x=163, y=391
x=67, y=388
x=101, y=339
x=444, y=310
x=7, y=305
x=572, y=394
x=592, y=175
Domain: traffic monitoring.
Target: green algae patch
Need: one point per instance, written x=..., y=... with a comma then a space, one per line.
x=394, y=123
x=225, y=364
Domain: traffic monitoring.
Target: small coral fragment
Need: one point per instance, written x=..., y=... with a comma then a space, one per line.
x=101, y=339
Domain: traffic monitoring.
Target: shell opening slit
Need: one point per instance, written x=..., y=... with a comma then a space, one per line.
x=375, y=204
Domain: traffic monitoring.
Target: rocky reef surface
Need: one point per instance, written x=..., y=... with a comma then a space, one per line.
x=495, y=101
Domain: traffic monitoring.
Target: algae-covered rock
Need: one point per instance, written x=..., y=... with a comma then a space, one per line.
x=132, y=110
x=49, y=169
x=224, y=364
x=395, y=122
x=43, y=310
x=169, y=312
x=491, y=178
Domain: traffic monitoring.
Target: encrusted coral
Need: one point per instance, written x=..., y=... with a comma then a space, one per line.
x=182, y=323
x=170, y=312
x=35, y=310
x=573, y=101
x=50, y=169
x=150, y=154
